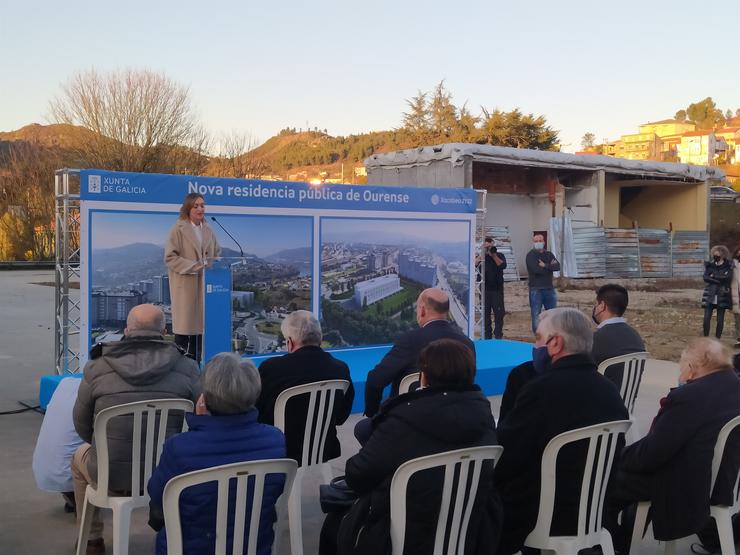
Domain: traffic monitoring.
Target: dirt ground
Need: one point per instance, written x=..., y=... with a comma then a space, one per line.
x=666, y=312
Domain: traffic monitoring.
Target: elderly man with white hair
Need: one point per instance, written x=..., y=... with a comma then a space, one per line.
x=672, y=465
x=305, y=362
x=567, y=393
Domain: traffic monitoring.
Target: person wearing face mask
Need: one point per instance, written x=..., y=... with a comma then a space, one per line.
x=613, y=336
x=672, y=465
x=190, y=244
x=735, y=286
x=520, y=375
x=569, y=394
x=718, y=277
x=306, y=362
x=541, y=264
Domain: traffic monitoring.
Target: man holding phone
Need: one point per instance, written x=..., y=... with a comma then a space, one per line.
x=493, y=300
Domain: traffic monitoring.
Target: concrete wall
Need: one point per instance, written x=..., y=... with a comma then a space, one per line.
x=658, y=205
x=440, y=173
x=583, y=200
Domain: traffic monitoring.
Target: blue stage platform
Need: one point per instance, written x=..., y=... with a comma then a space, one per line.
x=495, y=358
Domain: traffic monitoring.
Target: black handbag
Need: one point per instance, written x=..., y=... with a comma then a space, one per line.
x=336, y=496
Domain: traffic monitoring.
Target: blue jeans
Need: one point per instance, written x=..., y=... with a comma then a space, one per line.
x=539, y=298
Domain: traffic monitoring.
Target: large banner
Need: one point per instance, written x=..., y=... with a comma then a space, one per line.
x=356, y=255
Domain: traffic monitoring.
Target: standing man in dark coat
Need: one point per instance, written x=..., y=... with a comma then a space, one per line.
x=306, y=362
x=449, y=412
x=613, y=336
x=541, y=264
x=672, y=465
x=432, y=309
x=569, y=394
x=493, y=298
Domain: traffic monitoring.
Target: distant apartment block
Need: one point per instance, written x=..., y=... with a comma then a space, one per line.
x=418, y=269
x=376, y=289
x=110, y=308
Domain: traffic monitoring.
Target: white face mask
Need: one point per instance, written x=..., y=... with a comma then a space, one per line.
x=539, y=246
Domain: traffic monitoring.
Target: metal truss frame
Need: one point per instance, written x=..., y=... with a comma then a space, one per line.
x=67, y=313
x=479, y=269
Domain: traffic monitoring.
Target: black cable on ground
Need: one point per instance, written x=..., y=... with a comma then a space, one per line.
x=18, y=411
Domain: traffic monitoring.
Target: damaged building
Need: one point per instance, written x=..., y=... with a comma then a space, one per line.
x=603, y=216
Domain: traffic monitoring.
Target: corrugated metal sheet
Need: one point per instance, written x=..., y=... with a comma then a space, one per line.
x=690, y=250
x=655, y=253
x=622, y=253
x=502, y=237
x=589, y=244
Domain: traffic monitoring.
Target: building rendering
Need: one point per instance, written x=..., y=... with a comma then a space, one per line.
x=376, y=289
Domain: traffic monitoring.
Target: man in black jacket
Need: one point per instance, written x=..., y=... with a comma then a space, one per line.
x=449, y=412
x=432, y=308
x=672, y=465
x=541, y=264
x=569, y=394
x=613, y=336
x=495, y=264
x=306, y=362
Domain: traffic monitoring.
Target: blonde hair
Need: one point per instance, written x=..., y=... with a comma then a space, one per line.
x=188, y=203
x=707, y=355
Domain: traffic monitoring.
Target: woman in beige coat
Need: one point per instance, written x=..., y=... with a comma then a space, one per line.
x=190, y=245
x=735, y=287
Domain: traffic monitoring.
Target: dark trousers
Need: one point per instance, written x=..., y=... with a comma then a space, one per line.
x=708, y=320
x=494, y=302
x=625, y=491
x=191, y=344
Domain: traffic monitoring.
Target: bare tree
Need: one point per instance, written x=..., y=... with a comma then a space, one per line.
x=141, y=120
x=236, y=157
x=27, y=201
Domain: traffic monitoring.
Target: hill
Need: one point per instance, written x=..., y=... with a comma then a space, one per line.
x=59, y=135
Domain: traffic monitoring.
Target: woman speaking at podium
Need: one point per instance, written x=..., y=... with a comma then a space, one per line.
x=191, y=243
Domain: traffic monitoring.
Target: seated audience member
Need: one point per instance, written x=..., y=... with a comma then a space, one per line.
x=522, y=374
x=672, y=465
x=306, y=362
x=223, y=430
x=448, y=412
x=432, y=309
x=57, y=443
x=613, y=336
x=141, y=366
x=570, y=394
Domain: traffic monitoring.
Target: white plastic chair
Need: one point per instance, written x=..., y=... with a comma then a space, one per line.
x=602, y=446
x=633, y=366
x=407, y=382
x=722, y=514
x=241, y=472
x=319, y=417
x=453, y=513
x=157, y=412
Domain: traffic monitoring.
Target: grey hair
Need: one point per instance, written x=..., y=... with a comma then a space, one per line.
x=574, y=327
x=303, y=327
x=708, y=354
x=723, y=251
x=231, y=385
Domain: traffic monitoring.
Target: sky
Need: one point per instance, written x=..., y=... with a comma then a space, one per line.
x=259, y=235
x=257, y=67
x=426, y=231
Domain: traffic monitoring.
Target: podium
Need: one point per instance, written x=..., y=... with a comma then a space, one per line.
x=218, y=284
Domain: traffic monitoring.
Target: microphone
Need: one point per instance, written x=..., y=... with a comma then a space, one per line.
x=241, y=251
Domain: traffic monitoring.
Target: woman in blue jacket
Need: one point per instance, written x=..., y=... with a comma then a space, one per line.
x=223, y=430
